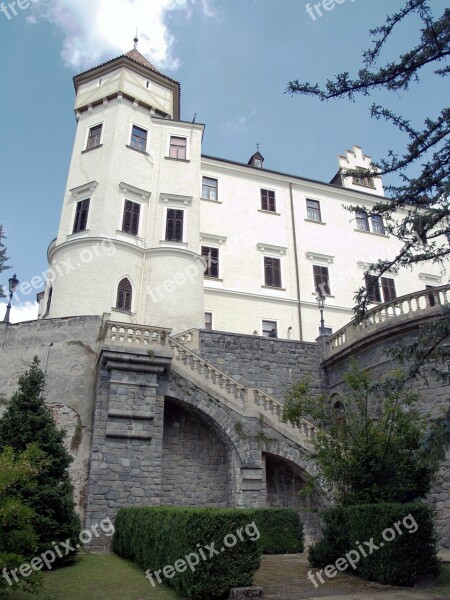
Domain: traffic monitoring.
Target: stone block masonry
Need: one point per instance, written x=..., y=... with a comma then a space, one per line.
x=271, y=364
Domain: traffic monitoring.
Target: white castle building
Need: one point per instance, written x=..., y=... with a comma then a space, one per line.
x=154, y=232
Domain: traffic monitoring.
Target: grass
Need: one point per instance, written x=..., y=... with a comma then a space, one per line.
x=105, y=577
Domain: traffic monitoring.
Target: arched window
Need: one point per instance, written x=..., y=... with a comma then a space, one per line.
x=124, y=293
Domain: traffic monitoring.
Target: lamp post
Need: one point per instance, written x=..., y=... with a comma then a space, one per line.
x=321, y=304
x=13, y=283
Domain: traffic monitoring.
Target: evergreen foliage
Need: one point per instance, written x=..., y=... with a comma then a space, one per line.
x=27, y=420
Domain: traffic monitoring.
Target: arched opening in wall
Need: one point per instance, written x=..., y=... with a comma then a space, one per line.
x=284, y=483
x=339, y=416
x=196, y=462
x=124, y=294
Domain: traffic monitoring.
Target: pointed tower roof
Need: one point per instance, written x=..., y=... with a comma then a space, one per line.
x=141, y=60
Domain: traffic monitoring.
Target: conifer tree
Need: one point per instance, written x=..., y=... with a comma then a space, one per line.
x=27, y=420
x=3, y=258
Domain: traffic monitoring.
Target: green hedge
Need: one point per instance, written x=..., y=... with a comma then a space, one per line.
x=157, y=537
x=398, y=562
x=281, y=530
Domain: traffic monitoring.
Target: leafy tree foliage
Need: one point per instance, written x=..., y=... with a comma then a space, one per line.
x=369, y=448
x=27, y=420
x=423, y=167
x=18, y=540
x=3, y=258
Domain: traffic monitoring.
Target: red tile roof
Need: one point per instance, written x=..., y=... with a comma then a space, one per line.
x=140, y=59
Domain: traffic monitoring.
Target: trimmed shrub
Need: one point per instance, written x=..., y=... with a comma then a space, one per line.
x=399, y=541
x=281, y=530
x=159, y=537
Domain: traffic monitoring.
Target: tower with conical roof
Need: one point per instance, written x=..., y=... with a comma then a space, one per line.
x=128, y=238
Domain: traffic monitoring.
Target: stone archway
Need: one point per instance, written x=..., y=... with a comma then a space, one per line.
x=196, y=461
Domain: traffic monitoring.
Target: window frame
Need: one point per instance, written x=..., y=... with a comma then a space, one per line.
x=362, y=217
x=275, y=275
x=265, y=331
x=374, y=296
x=133, y=137
x=318, y=209
x=323, y=284
x=212, y=270
x=177, y=146
x=362, y=179
x=387, y=287
x=90, y=146
x=131, y=229
x=166, y=228
x=268, y=200
x=378, y=223
x=127, y=296
x=208, y=196
x=209, y=326
x=81, y=212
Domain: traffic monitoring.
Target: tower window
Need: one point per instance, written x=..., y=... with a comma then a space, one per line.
x=95, y=136
x=174, y=225
x=131, y=214
x=313, y=210
x=208, y=320
x=272, y=272
x=373, y=288
x=268, y=200
x=139, y=138
x=209, y=188
x=178, y=146
x=211, y=255
x=321, y=280
x=124, y=295
x=362, y=221
x=362, y=179
x=81, y=215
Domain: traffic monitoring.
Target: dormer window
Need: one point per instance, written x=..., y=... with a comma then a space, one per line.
x=256, y=160
x=362, y=179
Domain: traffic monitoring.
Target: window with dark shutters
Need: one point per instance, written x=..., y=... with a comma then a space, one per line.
x=321, y=280
x=131, y=214
x=174, y=225
x=124, y=293
x=272, y=272
x=81, y=215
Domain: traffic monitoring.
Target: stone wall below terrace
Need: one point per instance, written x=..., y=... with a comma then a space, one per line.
x=271, y=364
x=69, y=349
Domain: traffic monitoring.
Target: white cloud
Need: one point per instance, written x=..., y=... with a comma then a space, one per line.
x=239, y=123
x=27, y=311
x=95, y=29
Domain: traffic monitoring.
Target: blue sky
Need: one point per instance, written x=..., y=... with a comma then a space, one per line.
x=233, y=58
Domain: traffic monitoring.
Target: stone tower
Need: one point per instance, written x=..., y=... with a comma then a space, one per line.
x=128, y=238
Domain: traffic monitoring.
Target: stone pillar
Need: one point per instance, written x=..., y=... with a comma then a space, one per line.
x=127, y=438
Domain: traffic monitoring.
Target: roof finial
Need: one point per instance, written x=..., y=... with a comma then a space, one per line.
x=136, y=39
x=257, y=146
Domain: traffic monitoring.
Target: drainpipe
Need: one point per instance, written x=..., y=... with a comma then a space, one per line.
x=297, y=272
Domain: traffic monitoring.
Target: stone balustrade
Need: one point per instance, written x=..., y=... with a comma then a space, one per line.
x=136, y=335
x=248, y=397
x=405, y=307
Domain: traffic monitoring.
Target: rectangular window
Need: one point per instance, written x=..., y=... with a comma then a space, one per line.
x=269, y=329
x=211, y=255
x=373, y=288
x=268, y=200
x=313, y=210
x=81, y=215
x=272, y=272
x=208, y=320
x=209, y=188
x=139, y=138
x=378, y=225
x=178, y=147
x=388, y=287
x=326, y=331
x=131, y=214
x=362, y=179
x=95, y=135
x=362, y=221
x=321, y=280
x=431, y=298
x=174, y=225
